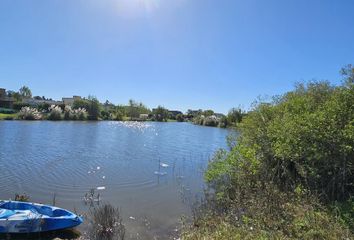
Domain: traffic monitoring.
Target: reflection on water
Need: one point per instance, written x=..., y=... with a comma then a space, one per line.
x=149, y=170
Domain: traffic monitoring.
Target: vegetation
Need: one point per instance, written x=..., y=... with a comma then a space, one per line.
x=106, y=223
x=28, y=113
x=91, y=109
x=4, y=116
x=289, y=173
x=211, y=119
x=22, y=197
x=134, y=109
x=25, y=92
x=55, y=113
x=160, y=114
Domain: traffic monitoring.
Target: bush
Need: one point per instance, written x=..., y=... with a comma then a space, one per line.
x=7, y=111
x=290, y=163
x=118, y=115
x=20, y=105
x=22, y=197
x=80, y=114
x=106, y=223
x=55, y=113
x=75, y=114
x=211, y=121
x=28, y=113
x=180, y=118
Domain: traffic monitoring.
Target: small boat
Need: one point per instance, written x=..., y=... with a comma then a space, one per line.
x=25, y=217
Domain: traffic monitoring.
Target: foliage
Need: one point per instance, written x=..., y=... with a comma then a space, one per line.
x=160, y=114
x=105, y=115
x=199, y=120
x=4, y=116
x=55, y=113
x=75, y=114
x=345, y=212
x=43, y=107
x=118, y=115
x=235, y=116
x=7, y=110
x=15, y=95
x=20, y=105
x=223, y=123
x=348, y=74
x=180, y=118
x=208, y=113
x=268, y=214
x=134, y=109
x=306, y=138
x=106, y=223
x=209, y=118
x=290, y=166
x=28, y=113
x=22, y=197
x=211, y=121
x=25, y=92
x=91, y=105
x=93, y=108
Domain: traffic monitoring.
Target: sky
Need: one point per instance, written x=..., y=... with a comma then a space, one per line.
x=182, y=54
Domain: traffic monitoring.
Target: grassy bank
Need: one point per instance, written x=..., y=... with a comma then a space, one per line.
x=288, y=174
x=5, y=116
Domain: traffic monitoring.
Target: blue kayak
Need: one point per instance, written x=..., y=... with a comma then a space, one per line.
x=23, y=217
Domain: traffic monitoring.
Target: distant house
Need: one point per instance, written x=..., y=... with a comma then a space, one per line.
x=5, y=101
x=143, y=116
x=70, y=101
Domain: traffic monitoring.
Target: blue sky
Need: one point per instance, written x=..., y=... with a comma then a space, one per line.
x=179, y=53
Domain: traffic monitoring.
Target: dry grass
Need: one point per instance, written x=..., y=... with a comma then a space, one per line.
x=106, y=223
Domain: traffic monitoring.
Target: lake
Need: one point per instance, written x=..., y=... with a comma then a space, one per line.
x=152, y=171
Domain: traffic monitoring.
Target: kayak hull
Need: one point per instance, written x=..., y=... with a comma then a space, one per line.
x=19, y=217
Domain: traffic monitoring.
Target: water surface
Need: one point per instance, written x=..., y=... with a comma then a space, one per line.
x=127, y=161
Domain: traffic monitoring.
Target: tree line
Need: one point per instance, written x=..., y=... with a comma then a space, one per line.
x=91, y=109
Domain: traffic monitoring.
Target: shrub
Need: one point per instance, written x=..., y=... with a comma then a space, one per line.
x=106, y=223
x=55, y=113
x=118, y=115
x=7, y=111
x=290, y=163
x=80, y=114
x=180, y=118
x=20, y=105
x=211, y=121
x=22, y=197
x=68, y=113
x=28, y=113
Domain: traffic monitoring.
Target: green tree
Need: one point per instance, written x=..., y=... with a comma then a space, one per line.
x=160, y=114
x=25, y=92
x=132, y=111
x=348, y=74
x=93, y=108
x=234, y=116
x=208, y=113
x=118, y=115
x=180, y=118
